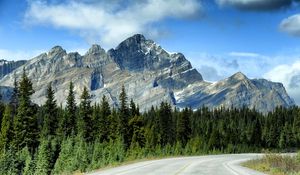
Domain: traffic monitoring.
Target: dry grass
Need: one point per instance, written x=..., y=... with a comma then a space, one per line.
x=275, y=164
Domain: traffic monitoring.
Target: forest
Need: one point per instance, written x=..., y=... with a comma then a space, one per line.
x=51, y=139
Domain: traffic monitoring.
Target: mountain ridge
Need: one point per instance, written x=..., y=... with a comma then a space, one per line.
x=149, y=73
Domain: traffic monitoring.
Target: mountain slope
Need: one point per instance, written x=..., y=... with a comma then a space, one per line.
x=7, y=67
x=150, y=75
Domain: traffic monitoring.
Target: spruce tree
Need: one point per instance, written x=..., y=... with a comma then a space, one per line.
x=14, y=101
x=70, y=120
x=103, y=122
x=50, y=120
x=124, y=117
x=25, y=122
x=43, y=158
x=166, y=124
x=2, y=108
x=138, y=131
x=6, y=129
x=113, y=125
x=183, y=129
x=296, y=127
x=133, y=109
x=85, y=123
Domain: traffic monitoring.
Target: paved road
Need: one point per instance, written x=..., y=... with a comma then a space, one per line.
x=200, y=165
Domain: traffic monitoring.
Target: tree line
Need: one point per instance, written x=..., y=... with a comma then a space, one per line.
x=50, y=139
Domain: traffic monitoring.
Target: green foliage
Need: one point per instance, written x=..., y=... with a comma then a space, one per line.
x=6, y=133
x=124, y=117
x=166, y=124
x=50, y=119
x=84, y=121
x=43, y=158
x=275, y=164
x=25, y=162
x=102, y=120
x=65, y=162
x=8, y=163
x=183, y=128
x=87, y=137
x=14, y=101
x=25, y=122
x=69, y=123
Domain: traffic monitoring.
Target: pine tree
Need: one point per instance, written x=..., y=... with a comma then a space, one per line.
x=25, y=122
x=2, y=108
x=183, y=129
x=6, y=129
x=124, y=117
x=43, y=158
x=166, y=124
x=296, y=127
x=70, y=120
x=138, y=132
x=133, y=109
x=14, y=101
x=103, y=121
x=8, y=163
x=65, y=164
x=85, y=127
x=50, y=122
x=113, y=125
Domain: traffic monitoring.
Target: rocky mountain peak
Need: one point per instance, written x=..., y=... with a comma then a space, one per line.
x=239, y=76
x=133, y=43
x=57, y=51
x=95, y=49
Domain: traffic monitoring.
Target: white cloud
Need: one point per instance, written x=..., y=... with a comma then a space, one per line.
x=291, y=25
x=244, y=54
x=18, y=54
x=109, y=22
x=289, y=75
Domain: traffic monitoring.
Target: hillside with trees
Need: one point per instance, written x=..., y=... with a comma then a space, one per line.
x=50, y=139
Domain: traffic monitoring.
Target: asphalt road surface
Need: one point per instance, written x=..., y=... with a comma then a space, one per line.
x=200, y=165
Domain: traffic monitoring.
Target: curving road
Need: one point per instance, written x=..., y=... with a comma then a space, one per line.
x=200, y=165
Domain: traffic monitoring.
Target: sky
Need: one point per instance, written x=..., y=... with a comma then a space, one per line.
x=260, y=38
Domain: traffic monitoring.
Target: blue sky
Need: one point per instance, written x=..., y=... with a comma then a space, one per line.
x=220, y=37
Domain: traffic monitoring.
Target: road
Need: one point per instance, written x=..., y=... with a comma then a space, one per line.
x=198, y=165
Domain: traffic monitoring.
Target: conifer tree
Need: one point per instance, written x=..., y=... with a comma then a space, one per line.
x=183, y=129
x=103, y=121
x=6, y=129
x=50, y=122
x=296, y=127
x=166, y=124
x=70, y=120
x=85, y=127
x=138, y=131
x=124, y=117
x=43, y=158
x=113, y=125
x=133, y=109
x=14, y=101
x=25, y=122
x=2, y=108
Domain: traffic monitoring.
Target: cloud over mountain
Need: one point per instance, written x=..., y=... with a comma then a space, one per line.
x=289, y=75
x=110, y=22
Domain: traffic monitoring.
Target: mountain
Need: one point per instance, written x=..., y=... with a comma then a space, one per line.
x=150, y=75
x=7, y=67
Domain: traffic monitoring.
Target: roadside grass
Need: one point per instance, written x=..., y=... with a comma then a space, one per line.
x=276, y=164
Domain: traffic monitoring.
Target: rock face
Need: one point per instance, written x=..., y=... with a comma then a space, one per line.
x=7, y=67
x=150, y=75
